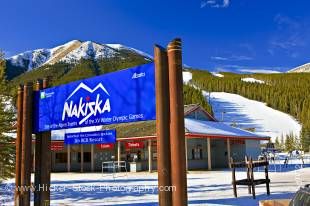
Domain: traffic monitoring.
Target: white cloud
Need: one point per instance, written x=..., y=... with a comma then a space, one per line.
x=226, y=3
x=249, y=69
x=291, y=35
x=219, y=58
x=215, y=3
x=232, y=58
x=262, y=71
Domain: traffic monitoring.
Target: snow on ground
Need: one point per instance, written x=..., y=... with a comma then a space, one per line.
x=140, y=189
x=187, y=76
x=248, y=113
x=252, y=80
x=217, y=74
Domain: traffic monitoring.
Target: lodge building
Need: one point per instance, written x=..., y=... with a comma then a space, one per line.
x=209, y=145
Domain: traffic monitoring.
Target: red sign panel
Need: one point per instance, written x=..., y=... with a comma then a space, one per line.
x=133, y=145
x=105, y=146
x=57, y=146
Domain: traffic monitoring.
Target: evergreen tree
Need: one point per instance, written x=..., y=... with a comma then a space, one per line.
x=282, y=142
x=277, y=144
x=290, y=142
x=7, y=146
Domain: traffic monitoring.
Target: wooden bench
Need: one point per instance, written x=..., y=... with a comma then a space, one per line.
x=250, y=181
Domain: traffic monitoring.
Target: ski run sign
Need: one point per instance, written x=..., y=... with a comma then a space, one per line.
x=118, y=97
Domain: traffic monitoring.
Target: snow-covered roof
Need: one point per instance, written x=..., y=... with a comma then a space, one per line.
x=192, y=126
x=212, y=128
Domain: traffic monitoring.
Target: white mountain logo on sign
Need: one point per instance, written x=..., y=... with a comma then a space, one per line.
x=86, y=108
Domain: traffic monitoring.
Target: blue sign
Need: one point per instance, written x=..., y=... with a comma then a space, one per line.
x=118, y=97
x=99, y=137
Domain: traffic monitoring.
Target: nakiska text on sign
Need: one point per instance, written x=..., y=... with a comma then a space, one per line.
x=118, y=97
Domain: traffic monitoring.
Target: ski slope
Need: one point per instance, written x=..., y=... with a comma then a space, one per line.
x=250, y=114
x=246, y=113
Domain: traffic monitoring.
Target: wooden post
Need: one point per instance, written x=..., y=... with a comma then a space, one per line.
x=248, y=173
x=18, y=144
x=209, y=154
x=92, y=156
x=118, y=155
x=252, y=177
x=228, y=152
x=186, y=155
x=46, y=162
x=233, y=177
x=33, y=160
x=38, y=157
x=82, y=158
x=150, y=155
x=177, y=131
x=162, y=125
x=26, y=144
x=68, y=158
x=267, y=178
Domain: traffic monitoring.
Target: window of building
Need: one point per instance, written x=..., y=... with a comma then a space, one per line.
x=197, y=153
x=61, y=158
x=87, y=157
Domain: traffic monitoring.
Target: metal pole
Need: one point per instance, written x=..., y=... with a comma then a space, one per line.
x=18, y=144
x=26, y=144
x=177, y=136
x=162, y=125
x=46, y=162
x=38, y=151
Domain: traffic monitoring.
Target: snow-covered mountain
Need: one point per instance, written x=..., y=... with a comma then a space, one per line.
x=300, y=69
x=71, y=52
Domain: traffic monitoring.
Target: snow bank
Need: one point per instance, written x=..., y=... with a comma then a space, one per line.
x=217, y=74
x=204, y=188
x=252, y=80
x=248, y=113
x=187, y=76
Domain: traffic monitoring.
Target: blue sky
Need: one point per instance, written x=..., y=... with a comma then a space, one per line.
x=217, y=34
